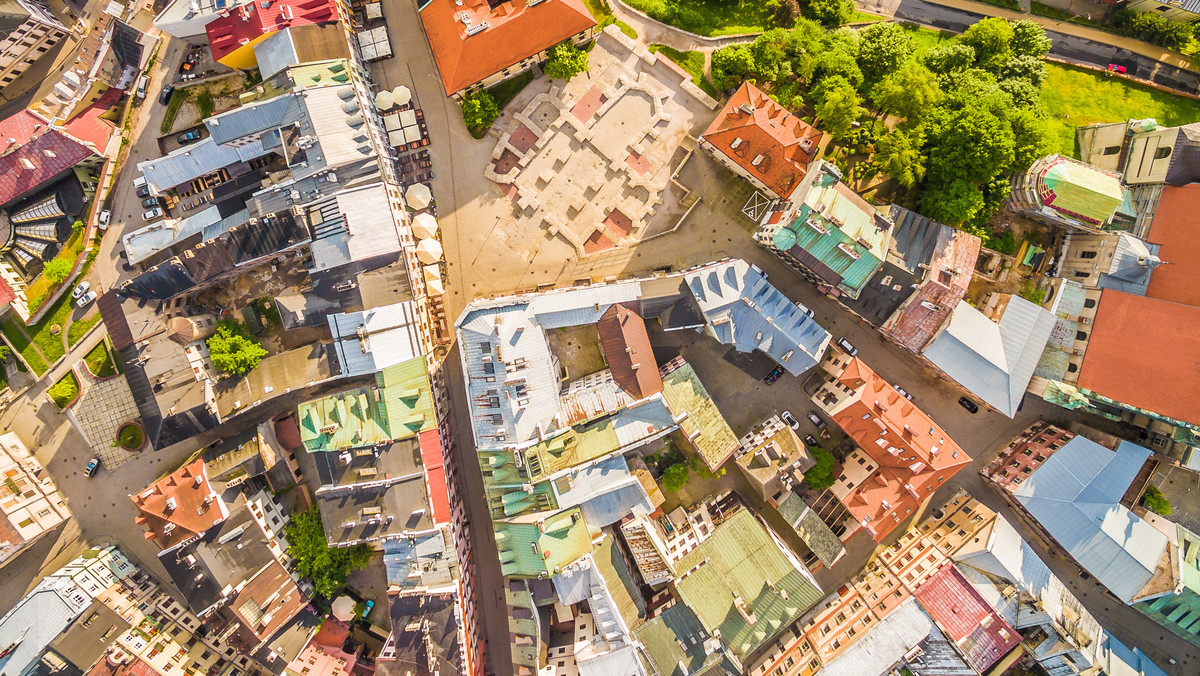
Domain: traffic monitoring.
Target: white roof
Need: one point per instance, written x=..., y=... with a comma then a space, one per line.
x=369, y=229
x=606, y=490
x=995, y=361
x=145, y=242
x=36, y=619
x=390, y=334
x=885, y=644
x=610, y=651
x=1076, y=496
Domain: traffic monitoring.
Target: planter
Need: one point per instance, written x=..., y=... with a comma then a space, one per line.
x=131, y=437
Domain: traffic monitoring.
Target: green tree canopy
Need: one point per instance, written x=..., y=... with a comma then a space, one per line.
x=953, y=202
x=328, y=567
x=1030, y=68
x=771, y=60
x=973, y=146
x=899, y=156
x=830, y=12
x=674, y=477
x=837, y=61
x=479, y=110
x=1033, y=137
x=1022, y=93
x=990, y=38
x=838, y=109
x=820, y=476
x=1154, y=500
x=1029, y=39
x=232, y=350
x=950, y=58
x=908, y=92
x=58, y=269
x=731, y=65
x=882, y=47
x=565, y=62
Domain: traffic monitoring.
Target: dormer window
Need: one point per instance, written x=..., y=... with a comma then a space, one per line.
x=735, y=143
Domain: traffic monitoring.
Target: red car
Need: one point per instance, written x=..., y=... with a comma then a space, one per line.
x=1114, y=68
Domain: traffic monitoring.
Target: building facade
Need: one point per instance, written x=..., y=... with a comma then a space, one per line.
x=37, y=30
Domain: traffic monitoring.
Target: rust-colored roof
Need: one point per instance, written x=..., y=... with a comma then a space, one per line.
x=433, y=464
x=763, y=130
x=179, y=506
x=1145, y=352
x=268, y=601
x=1174, y=227
x=514, y=32
x=626, y=347
x=252, y=20
x=912, y=453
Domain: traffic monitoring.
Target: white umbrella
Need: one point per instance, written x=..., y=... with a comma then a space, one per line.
x=434, y=287
x=432, y=272
x=429, y=251
x=418, y=196
x=384, y=100
x=343, y=608
x=401, y=95
x=424, y=226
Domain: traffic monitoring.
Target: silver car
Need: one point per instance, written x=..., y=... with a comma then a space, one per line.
x=153, y=214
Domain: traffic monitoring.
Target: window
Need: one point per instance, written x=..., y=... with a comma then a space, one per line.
x=1112, y=150
x=1160, y=442
x=1082, y=274
x=1164, y=152
x=1081, y=335
x=1085, y=254
x=1089, y=302
x=1072, y=368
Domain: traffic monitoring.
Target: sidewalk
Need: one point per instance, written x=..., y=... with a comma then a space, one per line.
x=1145, y=49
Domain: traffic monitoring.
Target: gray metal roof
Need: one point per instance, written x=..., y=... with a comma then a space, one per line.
x=254, y=118
x=369, y=341
x=606, y=492
x=993, y=360
x=743, y=309
x=36, y=619
x=1133, y=262
x=191, y=162
x=1076, y=496
x=885, y=644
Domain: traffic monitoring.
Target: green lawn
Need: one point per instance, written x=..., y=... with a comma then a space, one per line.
x=19, y=342
x=99, y=362
x=711, y=17
x=507, y=90
x=692, y=62
x=604, y=16
x=42, y=286
x=925, y=39
x=1075, y=97
x=65, y=390
x=77, y=330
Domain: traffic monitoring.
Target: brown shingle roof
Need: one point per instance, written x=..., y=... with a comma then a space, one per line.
x=763, y=130
x=515, y=31
x=627, y=349
x=268, y=601
x=179, y=506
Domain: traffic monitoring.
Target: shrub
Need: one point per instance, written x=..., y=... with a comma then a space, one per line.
x=1152, y=28
x=58, y=270
x=1154, y=500
x=1029, y=293
x=77, y=225
x=565, y=62
x=1002, y=242
x=232, y=350
x=65, y=390
x=674, y=477
x=820, y=476
x=130, y=437
x=786, y=13
x=480, y=111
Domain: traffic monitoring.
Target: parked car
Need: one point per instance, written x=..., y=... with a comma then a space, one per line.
x=790, y=420
x=1114, y=68
x=139, y=182
x=773, y=375
x=968, y=404
x=804, y=309
x=903, y=392
x=143, y=191
x=164, y=97
x=83, y=288
x=102, y=221
x=188, y=136
x=816, y=420
x=367, y=608
x=85, y=299
x=141, y=87
x=810, y=440
x=154, y=213
x=150, y=203
x=92, y=466
x=847, y=347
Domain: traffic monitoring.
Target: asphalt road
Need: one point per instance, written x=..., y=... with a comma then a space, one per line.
x=1067, y=47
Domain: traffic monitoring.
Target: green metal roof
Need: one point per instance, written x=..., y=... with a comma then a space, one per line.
x=812, y=530
x=1081, y=190
x=686, y=394
x=621, y=587
x=577, y=445
x=399, y=406
x=740, y=565
x=674, y=642
x=531, y=547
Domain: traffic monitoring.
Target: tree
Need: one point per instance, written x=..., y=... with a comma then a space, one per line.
x=479, y=110
x=953, y=202
x=1154, y=500
x=232, y=350
x=1031, y=68
x=77, y=226
x=950, y=58
x=908, y=92
x=731, y=65
x=787, y=12
x=830, y=12
x=328, y=567
x=1033, y=137
x=58, y=270
x=838, y=109
x=771, y=61
x=674, y=477
x=565, y=62
x=973, y=146
x=4, y=353
x=882, y=47
x=990, y=38
x=1022, y=93
x=899, y=156
x=839, y=60
x=820, y=476
x=1029, y=39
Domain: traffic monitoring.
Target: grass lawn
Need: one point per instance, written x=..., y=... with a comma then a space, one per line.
x=925, y=39
x=43, y=287
x=692, y=62
x=604, y=16
x=18, y=341
x=712, y=17
x=65, y=390
x=177, y=99
x=1075, y=97
x=506, y=91
x=99, y=362
x=77, y=330
x=130, y=436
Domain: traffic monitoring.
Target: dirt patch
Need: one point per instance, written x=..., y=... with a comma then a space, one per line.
x=577, y=349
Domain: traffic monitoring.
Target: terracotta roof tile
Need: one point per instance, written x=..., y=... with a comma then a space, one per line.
x=515, y=31
x=245, y=23
x=1129, y=338
x=1174, y=227
x=179, y=506
x=27, y=139
x=7, y=295
x=762, y=129
x=980, y=633
x=433, y=464
x=626, y=344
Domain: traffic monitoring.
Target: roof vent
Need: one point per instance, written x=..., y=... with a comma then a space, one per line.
x=477, y=28
x=171, y=503
x=747, y=108
x=27, y=164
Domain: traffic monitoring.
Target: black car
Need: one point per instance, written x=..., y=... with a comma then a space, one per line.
x=968, y=404
x=188, y=136
x=165, y=95
x=150, y=203
x=773, y=375
x=143, y=191
x=810, y=440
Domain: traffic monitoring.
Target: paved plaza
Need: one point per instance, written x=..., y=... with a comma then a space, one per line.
x=592, y=161
x=103, y=406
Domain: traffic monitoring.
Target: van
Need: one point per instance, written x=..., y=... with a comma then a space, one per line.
x=139, y=181
x=141, y=88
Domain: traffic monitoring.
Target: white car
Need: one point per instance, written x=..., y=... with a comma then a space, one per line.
x=83, y=288
x=102, y=222
x=85, y=299
x=790, y=420
x=154, y=213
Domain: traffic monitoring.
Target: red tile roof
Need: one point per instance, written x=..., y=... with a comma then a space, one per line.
x=433, y=462
x=27, y=137
x=249, y=21
x=913, y=455
x=1174, y=227
x=90, y=127
x=7, y=295
x=179, y=506
x=961, y=613
x=626, y=345
x=762, y=129
x=1130, y=337
x=268, y=601
x=515, y=31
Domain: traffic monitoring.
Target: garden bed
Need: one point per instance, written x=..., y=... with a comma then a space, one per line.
x=65, y=391
x=100, y=362
x=131, y=437
x=710, y=18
